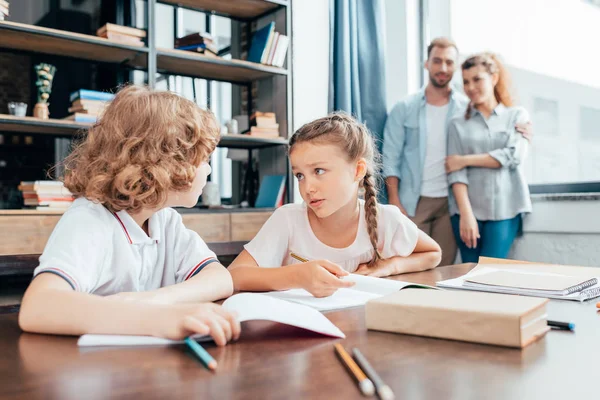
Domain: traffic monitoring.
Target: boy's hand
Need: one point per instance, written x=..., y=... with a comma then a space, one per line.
x=149, y=297
x=321, y=277
x=211, y=319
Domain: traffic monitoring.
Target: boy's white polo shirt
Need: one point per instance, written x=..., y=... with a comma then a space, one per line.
x=103, y=253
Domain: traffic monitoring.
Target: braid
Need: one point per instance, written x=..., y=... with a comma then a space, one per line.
x=371, y=214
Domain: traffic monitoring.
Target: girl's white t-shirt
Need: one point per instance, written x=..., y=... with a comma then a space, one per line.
x=288, y=231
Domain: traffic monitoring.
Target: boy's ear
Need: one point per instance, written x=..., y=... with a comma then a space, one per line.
x=361, y=170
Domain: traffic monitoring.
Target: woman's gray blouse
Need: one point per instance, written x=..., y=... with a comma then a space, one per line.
x=495, y=193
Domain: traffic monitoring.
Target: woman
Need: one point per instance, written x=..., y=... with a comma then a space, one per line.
x=485, y=163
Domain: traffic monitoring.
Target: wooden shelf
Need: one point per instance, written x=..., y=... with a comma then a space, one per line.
x=187, y=63
x=38, y=39
x=237, y=9
x=61, y=127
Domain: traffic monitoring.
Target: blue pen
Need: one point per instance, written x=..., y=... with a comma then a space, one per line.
x=202, y=354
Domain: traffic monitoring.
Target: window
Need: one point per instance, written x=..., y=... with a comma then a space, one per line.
x=549, y=50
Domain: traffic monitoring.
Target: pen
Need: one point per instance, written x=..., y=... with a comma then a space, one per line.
x=202, y=354
x=384, y=391
x=568, y=326
x=297, y=257
x=364, y=383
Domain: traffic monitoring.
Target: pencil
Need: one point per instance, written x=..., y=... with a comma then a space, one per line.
x=384, y=391
x=202, y=354
x=297, y=257
x=364, y=383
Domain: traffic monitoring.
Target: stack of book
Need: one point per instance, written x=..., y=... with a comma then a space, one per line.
x=46, y=195
x=88, y=105
x=263, y=124
x=268, y=47
x=122, y=34
x=3, y=10
x=197, y=42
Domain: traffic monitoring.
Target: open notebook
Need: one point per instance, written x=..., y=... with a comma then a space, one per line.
x=365, y=289
x=249, y=306
x=528, y=283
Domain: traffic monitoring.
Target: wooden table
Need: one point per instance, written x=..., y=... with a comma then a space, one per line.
x=276, y=362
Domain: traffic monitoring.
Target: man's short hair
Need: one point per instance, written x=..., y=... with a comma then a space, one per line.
x=441, y=42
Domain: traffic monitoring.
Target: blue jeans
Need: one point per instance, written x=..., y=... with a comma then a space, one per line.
x=496, y=238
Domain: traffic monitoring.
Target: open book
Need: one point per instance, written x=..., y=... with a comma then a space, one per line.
x=248, y=306
x=365, y=289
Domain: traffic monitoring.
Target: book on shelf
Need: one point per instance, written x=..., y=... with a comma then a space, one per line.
x=80, y=117
x=259, y=45
x=4, y=3
x=86, y=94
x=263, y=132
x=86, y=110
x=4, y=11
x=45, y=186
x=281, y=51
x=46, y=195
x=121, y=38
x=196, y=39
x=271, y=192
x=199, y=48
x=124, y=30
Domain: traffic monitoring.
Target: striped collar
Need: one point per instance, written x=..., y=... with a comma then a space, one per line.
x=134, y=233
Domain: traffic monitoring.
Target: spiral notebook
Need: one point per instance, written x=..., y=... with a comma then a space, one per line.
x=527, y=283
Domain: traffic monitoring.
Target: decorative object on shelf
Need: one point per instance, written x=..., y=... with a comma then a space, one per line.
x=232, y=126
x=3, y=9
x=122, y=34
x=211, y=195
x=45, y=76
x=18, y=109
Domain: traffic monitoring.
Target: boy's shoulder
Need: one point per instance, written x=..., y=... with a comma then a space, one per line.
x=84, y=211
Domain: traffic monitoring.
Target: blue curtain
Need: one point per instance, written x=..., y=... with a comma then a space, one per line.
x=357, y=64
x=357, y=69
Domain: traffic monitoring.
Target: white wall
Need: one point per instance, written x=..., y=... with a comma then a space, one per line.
x=310, y=62
x=402, y=49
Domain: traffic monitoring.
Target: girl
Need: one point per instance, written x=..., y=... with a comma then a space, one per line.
x=332, y=158
x=120, y=260
x=485, y=163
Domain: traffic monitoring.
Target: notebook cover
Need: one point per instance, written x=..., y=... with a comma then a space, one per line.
x=487, y=318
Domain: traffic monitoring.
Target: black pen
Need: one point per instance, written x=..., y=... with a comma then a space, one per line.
x=567, y=326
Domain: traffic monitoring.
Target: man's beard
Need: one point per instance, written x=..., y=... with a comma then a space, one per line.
x=437, y=85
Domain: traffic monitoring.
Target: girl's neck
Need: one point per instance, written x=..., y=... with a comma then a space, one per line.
x=487, y=107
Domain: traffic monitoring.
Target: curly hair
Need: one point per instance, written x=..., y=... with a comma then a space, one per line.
x=492, y=64
x=357, y=142
x=146, y=144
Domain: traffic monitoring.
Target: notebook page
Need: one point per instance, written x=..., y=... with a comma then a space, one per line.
x=379, y=286
x=342, y=298
x=554, y=284
x=249, y=306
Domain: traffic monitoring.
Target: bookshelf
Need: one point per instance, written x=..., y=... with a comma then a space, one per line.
x=25, y=38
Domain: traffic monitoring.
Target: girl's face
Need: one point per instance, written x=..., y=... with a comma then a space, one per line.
x=479, y=84
x=326, y=179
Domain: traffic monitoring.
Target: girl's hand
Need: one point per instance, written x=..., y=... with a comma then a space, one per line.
x=320, y=277
x=469, y=230
x=181, y=321
x=455, y=163
x=381, y=268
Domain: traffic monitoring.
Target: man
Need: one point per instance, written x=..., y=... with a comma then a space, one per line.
x=414, y=148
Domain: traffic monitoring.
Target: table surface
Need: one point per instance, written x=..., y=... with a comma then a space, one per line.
x=272, y=361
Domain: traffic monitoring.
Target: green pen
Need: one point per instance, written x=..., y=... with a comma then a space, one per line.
x=202, y=354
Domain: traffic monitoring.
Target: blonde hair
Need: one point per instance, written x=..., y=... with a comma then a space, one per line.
x=354, y=139
x=146, y=144
x=492, y=64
